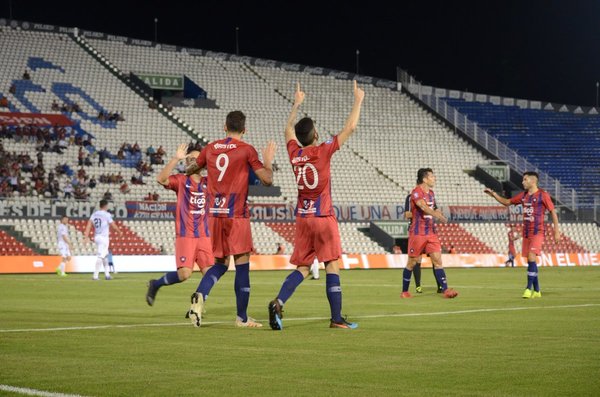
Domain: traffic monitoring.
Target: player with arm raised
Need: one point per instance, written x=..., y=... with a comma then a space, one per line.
x=317, y=233
x=535, y=203
x=422, y=234
x=228, y=162
x=102, y=221
x=192, y=244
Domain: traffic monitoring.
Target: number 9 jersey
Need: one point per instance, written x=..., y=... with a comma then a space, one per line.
x=312, y=168
x=228, y=163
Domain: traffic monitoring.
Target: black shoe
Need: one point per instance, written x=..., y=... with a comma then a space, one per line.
x=275, y=315
x=151, y=293
x=440, y=290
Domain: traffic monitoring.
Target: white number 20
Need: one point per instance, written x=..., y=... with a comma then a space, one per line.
x=222, y=164
x=301, y=175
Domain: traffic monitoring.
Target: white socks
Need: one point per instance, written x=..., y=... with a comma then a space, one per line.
x=97, y=269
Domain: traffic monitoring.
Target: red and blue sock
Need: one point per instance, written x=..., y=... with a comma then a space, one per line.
x=242, y=289
x=406, y=275
x=168, y=279
x=440, y=276
x=210, y=279
x=334, y=296
x=532, y=276
x=293, y=280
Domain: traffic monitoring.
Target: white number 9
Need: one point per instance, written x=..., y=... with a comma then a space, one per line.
x=222, y=165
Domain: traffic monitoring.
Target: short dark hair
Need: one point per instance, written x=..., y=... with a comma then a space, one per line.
x=532, y=173
x=305, y=131
x=103, y=203
x=422, y=173
x=235, y=121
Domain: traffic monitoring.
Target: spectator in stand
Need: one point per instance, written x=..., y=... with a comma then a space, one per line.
x=80, y=156
x=55, y=106
x=155, y=196
x=396, y=250
x=13, y=89
x=107, y=196
x=26, y=75
x=280, y=249
x=92, y=183
x=150, y=151
x=68, y=190
x=3, y=102
x=452, y=250
x=124, y=188
x=102, y=155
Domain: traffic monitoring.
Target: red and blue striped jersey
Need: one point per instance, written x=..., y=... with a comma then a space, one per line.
x=191, y=219
x=312, y=168
x=534, y=210
x=421, y=223
x=228, y=162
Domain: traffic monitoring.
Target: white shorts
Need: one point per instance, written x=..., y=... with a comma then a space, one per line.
x=102, y=245
x=64, y=250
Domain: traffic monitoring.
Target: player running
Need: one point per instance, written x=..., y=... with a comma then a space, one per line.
x=317, y=231
x=228, y=162
x=535, y=203
x=422, y=235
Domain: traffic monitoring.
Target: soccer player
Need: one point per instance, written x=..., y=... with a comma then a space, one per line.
x=535, y=203
x=417, y=268
x=64, y=245
x=512, y=252
x=111, y=264
x=317, y=233
x=101, y=220
x=192, y=244
x=228, y=162
x=422, y=236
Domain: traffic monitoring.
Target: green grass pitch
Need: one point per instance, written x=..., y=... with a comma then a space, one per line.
x=101, y=339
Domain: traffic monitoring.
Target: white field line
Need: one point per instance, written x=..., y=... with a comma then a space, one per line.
x=34, y=392
x=396, y=315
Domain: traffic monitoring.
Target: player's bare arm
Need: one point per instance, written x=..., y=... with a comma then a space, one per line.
x=434, y=213
x=352, y=120
x=86, y=233
x=504, y=201
x=407, y=215
x=116, y=228
x=557, y=235
x=289, y=128
x=180, y=154
x=266, y=174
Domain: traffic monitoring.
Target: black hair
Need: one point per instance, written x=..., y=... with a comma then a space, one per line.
x=103, y=203
x=305, y=131
x=235, y=121
x=422, y=173
x=532, y=173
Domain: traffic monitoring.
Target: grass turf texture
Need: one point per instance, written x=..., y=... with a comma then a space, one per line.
x=499, y=350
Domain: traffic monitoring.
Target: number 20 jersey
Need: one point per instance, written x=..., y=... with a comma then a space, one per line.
x=312, y=169
x=228, y=163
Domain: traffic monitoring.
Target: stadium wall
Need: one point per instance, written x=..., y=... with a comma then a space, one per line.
x=163, y=263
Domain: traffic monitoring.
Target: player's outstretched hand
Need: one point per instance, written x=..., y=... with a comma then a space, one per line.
x=359, y=93
x=269, y=152
x=488, y=191
x=441, y=217
x=181, y=151
x=298, y=95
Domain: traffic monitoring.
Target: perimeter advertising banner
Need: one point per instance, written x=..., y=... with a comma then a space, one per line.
x=34, y=119
x=164, y=263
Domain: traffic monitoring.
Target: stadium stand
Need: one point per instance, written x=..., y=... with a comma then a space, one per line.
x=377, y=166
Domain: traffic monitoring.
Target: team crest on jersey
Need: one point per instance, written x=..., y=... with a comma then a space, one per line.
x=306, y=204
x=182, y=259
x=412, y=250
x=416, y=195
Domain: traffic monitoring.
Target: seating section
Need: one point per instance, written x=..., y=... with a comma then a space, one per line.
x=539, y=135
x=377, y=165
x=454, y=235
x=576, y=237
x=10, y=246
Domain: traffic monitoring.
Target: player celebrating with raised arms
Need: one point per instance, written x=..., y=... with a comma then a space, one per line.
x=317, y=231
x=228, y=162
x=192, y=244
x=535, y=203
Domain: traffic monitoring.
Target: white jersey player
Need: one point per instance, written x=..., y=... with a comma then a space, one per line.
x=102, y=221
x=64, y=245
